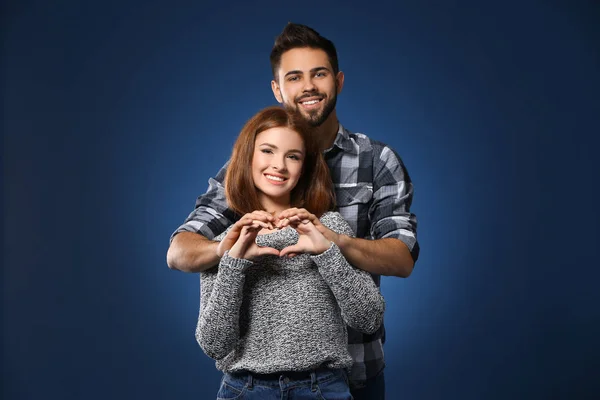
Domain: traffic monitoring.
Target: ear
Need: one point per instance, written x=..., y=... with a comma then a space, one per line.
x=340, y=81
x=276, y=91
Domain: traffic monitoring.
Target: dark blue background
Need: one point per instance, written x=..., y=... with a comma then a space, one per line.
x=115, y=116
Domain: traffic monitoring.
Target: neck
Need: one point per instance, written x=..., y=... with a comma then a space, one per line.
x=273, y=205
x=327, y=131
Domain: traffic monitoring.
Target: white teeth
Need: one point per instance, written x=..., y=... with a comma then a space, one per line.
x=275, y=178
x=310, y=102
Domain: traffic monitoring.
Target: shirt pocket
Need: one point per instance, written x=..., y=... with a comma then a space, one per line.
x=354, y=195
x=353, y=203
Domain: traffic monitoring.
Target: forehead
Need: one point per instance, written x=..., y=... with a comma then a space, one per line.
x=303, y=59
x=281, y=137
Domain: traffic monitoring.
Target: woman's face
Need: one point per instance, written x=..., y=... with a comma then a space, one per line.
x=277, y=164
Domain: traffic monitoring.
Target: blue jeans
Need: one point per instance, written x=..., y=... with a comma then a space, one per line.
x=373, y=390
x=322, y=384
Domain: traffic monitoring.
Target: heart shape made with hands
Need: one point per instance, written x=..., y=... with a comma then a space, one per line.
x=279, y=239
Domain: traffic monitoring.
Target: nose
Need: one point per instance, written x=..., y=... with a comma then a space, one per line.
x=278, y=163
x=309, y=85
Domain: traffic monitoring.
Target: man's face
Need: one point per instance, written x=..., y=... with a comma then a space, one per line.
x=306, y=83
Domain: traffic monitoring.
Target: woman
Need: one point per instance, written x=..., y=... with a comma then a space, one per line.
x=274, y=312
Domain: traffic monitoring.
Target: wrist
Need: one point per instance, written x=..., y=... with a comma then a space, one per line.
x=234, y=253
x=342, y=241
x=234, y=264
x=323, y=247
x=322, y=251
x=219, y=250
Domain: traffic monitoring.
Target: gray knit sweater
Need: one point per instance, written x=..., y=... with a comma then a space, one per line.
x=277, y=314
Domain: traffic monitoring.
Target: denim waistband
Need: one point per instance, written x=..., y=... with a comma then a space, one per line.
x=275, y=376
x=287, y=378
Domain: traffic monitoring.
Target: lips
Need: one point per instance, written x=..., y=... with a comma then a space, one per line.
x=275, y=179
x=310, y=100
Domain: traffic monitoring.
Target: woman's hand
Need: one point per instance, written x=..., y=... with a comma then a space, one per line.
x=310, y=240
x=294, y=215
x=240, y=240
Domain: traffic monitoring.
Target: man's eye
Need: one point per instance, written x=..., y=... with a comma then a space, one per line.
x=293, y=78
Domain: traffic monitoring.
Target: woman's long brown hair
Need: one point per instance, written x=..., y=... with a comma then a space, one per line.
x=314, y=190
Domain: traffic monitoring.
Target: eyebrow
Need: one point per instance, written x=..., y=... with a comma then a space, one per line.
x=312, y=71
x=275, y=147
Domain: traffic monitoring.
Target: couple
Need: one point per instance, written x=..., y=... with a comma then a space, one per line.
x=373, y=194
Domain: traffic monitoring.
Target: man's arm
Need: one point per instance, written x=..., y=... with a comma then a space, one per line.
x=191, y=248
x=394, y=247
x=192, y=252
x=387, y=256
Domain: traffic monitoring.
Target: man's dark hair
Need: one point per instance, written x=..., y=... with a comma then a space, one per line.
x=297, y=36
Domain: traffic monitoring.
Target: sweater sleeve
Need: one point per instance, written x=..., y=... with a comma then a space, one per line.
x=221, y=295
x=359, y=298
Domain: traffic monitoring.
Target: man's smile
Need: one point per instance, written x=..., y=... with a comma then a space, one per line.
x=310, y=102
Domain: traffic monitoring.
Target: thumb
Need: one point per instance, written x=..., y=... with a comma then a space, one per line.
x=291, y=250
x=267, y=251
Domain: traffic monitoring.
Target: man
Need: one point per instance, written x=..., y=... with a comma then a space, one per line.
x=373, y=191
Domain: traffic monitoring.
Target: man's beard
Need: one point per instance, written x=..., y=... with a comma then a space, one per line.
x=315, y=117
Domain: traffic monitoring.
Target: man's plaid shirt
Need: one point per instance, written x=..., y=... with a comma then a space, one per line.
x=373, y=193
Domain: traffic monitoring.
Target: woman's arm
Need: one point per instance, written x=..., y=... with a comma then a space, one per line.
x=360, y=300
x=222, y=288
x=221, y=292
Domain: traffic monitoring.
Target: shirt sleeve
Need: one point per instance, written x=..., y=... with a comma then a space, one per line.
x=392, y=197
x=211, y=214
x=360, y=300
x=221, y=291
